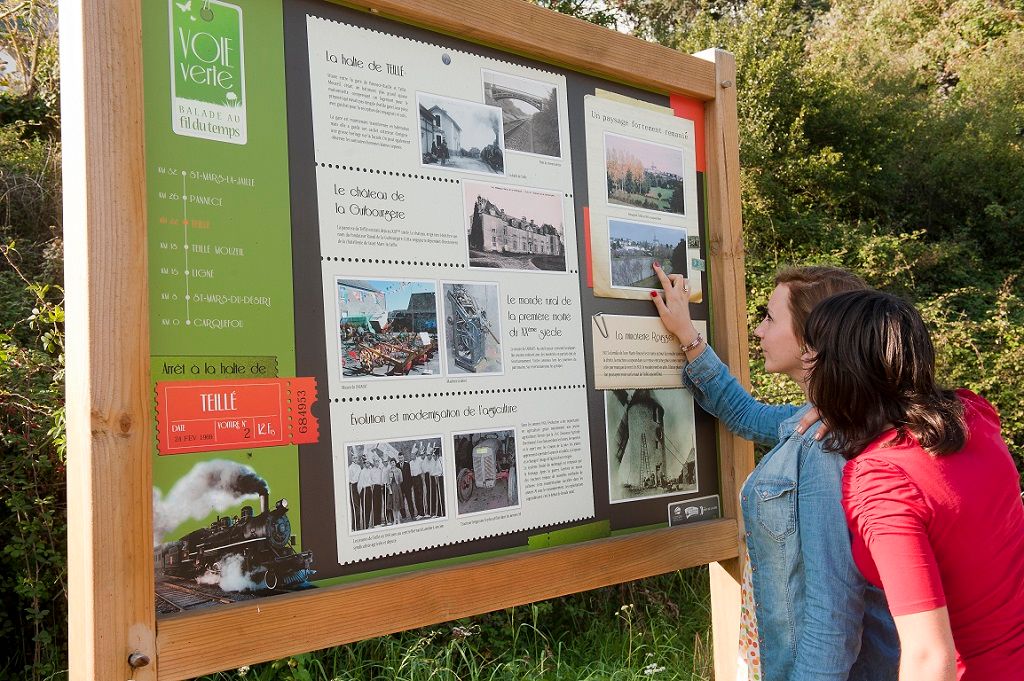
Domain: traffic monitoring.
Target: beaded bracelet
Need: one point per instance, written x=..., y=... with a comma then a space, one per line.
x=692, y=345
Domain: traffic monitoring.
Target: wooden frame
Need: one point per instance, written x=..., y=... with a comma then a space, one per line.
x=111, y=580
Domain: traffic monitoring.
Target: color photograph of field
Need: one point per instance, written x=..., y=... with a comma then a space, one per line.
x=644, y=174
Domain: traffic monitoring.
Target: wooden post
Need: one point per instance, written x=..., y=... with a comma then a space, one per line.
x=729, y=312
x=110, y=555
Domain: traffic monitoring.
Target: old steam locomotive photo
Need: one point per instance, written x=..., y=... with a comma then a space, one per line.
x=241, y=555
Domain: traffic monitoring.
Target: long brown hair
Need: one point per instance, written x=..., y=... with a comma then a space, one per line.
x=875, y=369
x=810, y=285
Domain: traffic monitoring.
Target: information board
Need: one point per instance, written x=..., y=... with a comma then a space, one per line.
x=399, y=322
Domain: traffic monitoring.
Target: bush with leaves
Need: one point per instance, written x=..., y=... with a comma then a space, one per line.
x=33, y=518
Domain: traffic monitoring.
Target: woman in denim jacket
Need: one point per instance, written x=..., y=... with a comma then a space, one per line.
x=808, y=614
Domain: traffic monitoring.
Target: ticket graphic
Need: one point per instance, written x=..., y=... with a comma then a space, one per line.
x=205, y=416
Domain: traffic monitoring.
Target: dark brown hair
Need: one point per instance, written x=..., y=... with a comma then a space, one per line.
x=808, y=286
x=874, y=370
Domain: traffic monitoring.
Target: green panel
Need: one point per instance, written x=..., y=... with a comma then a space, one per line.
x=220, y=270
x=571, y=535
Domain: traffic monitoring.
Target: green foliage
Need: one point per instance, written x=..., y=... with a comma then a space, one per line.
x=33, y=515
x=979, y=336
x=656, y=628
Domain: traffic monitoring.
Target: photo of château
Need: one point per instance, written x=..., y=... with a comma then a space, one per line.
x=635, y=247
x=529, y=112
x=514, y=228
x=460, y=135
x=644, y=174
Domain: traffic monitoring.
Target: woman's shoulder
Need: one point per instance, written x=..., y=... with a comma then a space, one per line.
x=876, y=490
x=876, y=475
x=977, y=407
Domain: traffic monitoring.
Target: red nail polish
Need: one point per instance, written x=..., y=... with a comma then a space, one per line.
x=654, y=294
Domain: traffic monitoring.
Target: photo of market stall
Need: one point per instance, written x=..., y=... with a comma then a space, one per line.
x=387, y=328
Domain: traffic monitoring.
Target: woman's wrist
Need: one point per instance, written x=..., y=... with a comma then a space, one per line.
x=688, y=336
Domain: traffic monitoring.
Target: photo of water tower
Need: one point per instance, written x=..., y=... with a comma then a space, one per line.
x=652, y=445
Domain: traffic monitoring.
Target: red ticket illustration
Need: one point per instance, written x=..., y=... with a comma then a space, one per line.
x=204, y=416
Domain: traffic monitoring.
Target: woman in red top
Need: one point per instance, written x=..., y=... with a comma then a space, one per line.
x=931, y=493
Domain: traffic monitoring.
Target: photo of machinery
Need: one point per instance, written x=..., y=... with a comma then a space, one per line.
x=472, y=328
x=387, y=328
x=486, y=477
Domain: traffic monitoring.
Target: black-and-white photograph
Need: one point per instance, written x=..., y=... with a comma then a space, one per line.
x=485, y=471
x=529, y=112
x=395, y=482
x=460, y=135
x=387, y=328
x=643, y=174
x=514, y=228
x=472, y=327
x=634, y=247
x=652, y=445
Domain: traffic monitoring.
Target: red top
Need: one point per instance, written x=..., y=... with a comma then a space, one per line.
x=947, y=531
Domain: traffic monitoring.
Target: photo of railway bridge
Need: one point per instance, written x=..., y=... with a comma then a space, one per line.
x=529, y=112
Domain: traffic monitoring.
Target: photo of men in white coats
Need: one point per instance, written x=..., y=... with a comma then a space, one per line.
x=396, y=482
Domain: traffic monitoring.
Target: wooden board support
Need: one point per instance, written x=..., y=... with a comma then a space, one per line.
x=193, y=644
x=529, y=31
x=110, y=555
x=108, y=385
x=729, y=312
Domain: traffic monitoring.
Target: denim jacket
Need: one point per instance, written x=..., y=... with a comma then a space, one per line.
x=817, y=618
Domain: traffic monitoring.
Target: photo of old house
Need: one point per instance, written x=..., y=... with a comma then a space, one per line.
x=529, y=112
x=460, y=135
x=514, y=228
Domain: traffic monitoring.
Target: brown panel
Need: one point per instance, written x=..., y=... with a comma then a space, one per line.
x=531, y=31
x=729, y=312
x=110, y=557
x=233, y=635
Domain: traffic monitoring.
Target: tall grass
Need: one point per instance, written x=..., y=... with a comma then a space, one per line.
x=657, y=628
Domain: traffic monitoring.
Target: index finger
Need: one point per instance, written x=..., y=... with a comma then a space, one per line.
x=663, y=278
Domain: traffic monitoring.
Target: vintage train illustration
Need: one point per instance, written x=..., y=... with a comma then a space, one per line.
x=264, y=542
